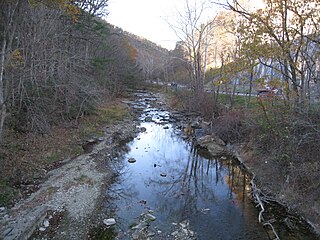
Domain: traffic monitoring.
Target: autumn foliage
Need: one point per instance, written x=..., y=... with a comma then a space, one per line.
x=58, y=61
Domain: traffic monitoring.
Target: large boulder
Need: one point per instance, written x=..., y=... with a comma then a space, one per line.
x=215, y=145
x=196, y=123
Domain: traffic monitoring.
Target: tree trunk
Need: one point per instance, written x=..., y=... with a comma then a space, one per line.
x=2, y=98
x=250, y=85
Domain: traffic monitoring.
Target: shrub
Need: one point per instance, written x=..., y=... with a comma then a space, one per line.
x=203, y=103
x=231, y=126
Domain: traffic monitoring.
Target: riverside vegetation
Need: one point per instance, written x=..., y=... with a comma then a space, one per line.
x=237, y=127
x=278, y=145
x=63, y=71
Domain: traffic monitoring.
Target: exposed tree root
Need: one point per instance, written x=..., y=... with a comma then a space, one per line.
x=256, y=193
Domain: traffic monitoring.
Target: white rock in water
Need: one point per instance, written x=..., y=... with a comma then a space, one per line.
x=46, y=223
x=175, y=233
x=131, y=160
x=135, y=235
x=140, y=226
x=150, y=217
x=151, y=234
x=109, y=221
x=185, y=231
x=205, y=210
x=42, y=229
x=184, y=224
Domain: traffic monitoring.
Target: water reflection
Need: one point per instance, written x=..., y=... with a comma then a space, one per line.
x=210, y=193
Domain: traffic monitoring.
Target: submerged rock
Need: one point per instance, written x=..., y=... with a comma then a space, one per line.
x=141, y=234
x=142, y=202
x=205, y=210
x=148, y=119
x=151, y=234
x=7, y=231
x=142, y=228
x=139, y=226
x=143, y=129
x=183, y=232
x=132, y=160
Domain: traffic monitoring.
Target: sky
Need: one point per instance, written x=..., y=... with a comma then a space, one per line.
x=149, y=18
x=146, y=18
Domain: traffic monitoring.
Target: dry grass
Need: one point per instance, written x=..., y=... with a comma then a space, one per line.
x=24, y=157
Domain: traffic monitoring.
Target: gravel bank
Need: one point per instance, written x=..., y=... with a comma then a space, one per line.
x=66, y=201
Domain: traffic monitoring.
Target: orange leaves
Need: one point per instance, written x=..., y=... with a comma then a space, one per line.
x=132, y=51
x=72, y=10
x=66, y=6
x=16, y=58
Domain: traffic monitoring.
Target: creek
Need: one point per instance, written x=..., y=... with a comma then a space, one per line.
x=169, y=189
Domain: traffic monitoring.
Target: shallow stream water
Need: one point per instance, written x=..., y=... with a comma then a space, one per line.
x=191, y=195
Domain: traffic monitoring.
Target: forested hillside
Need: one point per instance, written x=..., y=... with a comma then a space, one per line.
x=62, y=67
x=59, y=60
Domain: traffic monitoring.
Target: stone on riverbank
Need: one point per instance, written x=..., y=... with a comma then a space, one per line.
x=215, y=145
x=183, y=232
x=109, y=222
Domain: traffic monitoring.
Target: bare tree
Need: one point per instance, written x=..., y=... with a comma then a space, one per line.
x=194, y=35
x=58, y=62
x=281, y=32
x=8, y=14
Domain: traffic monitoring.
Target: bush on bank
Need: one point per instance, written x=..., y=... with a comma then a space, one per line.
x=284, y=145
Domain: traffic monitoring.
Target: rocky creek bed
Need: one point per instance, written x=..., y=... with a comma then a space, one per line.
x=70, y=203
x=65, y=204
